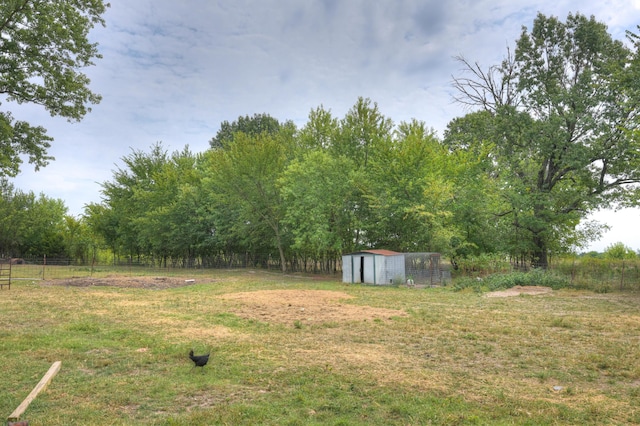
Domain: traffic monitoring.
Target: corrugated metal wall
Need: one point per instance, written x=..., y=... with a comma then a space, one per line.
x=373, y=269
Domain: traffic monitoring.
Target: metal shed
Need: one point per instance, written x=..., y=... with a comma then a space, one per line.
x=373, y=267
x=386, y=267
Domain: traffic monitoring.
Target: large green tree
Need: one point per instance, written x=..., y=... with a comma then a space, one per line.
x=408, y=192
x=151, y=207
x=30, y=225
x=563, y=126
x=242, y=182
x=165, y=221
x=318, y=192
x=255, y=125
x=476, y=203
x=362, y=130
x=43, y=48
x=127, y=199
x=80, y=243
x=319, y=132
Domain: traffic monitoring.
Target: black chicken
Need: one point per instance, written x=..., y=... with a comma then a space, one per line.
x=199, y=360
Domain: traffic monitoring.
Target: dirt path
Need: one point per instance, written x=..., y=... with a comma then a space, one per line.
x=518, y=290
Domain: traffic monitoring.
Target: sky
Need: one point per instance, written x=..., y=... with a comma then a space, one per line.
x=172, y=71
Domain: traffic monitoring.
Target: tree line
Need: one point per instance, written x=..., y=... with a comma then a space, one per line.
x=552, y=136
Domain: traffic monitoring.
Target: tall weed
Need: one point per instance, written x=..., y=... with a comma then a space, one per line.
x=494, y=282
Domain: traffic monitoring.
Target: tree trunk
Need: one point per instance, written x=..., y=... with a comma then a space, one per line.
x=540, y=255
x=280, y=250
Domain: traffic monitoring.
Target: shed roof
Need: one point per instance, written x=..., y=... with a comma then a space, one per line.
x=379, y=252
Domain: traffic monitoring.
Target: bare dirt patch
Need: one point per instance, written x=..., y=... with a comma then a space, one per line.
x=155, y=283
x=518, y=290
x=304, y=306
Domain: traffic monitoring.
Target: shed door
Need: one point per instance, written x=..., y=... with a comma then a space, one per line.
x=361, y=269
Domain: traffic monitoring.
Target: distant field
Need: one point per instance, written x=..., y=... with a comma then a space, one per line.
x=39, y=271
x=296, y=350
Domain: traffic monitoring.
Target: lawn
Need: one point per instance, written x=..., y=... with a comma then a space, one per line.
x=299, y=351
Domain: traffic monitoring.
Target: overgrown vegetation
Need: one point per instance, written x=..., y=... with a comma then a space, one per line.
x=600, y=273
x=456, y=358
x=502, y=281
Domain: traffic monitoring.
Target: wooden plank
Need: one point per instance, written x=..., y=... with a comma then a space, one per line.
x=39, y=388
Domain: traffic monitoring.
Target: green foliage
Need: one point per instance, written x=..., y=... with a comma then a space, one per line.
x=317, y=191
x=43, y=47
x=276, y=194
x=483, y=264
x=363, y=129
x=243, y=179
x=151, y=206
x=600, y=273
x=556, y=137
x=597, y=273
x=254, y=126
x=619, y=251
x=17, y=138
x=270, y=194
x=30, y=224
x=554, y=113
x=477, y=203
x=408, y=190
x=79, y=243
x=320, y=132
x=504, y=281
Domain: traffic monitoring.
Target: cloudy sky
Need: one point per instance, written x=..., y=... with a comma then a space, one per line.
x=172, y=71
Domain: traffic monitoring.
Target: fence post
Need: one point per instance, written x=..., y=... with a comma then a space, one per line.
x=44, y=264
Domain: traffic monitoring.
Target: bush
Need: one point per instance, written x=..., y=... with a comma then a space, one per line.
x=620, y=251
x=484, y=264
x=467, y=282
x=494, y=282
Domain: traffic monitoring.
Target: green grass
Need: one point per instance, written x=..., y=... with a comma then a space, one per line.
x=457, y=357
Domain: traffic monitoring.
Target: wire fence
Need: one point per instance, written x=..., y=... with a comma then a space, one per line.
x=590, y=273
x=426, y=269
x=37, y=269
x=600, y=274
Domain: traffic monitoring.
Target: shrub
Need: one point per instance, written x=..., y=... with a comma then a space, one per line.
x=484, y=264
x=467, y=282
x=619, y=251
x=494, y=282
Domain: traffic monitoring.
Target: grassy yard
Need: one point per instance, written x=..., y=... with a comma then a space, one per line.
x=299, y=351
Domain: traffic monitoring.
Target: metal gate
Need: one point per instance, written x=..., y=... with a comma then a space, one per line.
x=5, y=274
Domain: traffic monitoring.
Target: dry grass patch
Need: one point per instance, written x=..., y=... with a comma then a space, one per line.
x=303, y=307
x=519, y=290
